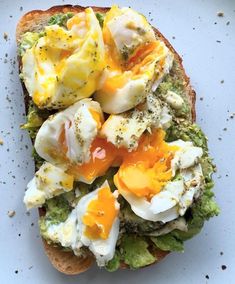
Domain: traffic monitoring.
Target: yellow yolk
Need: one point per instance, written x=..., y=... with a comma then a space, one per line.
x=100, y=215
x=117, y=81
x=141, y=54
x=137, y=65
x=103, y=156
x=145, y=171
x=97, y=117
x=112, y=57
x=75, y=20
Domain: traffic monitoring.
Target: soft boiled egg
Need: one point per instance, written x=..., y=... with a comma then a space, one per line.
x=126, y=129
x=49, y=181
x=92, y=223
x=70, y=140
x=65, y=138
x=145, y=178
x=136, y=61
x=98, y=222
x=65, y=64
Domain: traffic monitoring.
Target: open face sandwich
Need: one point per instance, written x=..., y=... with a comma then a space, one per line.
x=122, y=172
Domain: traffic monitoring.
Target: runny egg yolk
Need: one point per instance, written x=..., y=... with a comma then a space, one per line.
x=77, y=20
x=131, y=64
x=97, y=117
x=100, y=215
x=135, y=67
x=103, y=155
x=111, y=84
x=145, y=171
x=141, y=53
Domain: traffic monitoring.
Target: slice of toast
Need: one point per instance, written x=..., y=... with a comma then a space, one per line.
x=64, y=261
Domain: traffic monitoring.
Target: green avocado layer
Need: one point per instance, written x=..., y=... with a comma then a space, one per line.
x=60, y=19
x=133, y=251
x=27, y=41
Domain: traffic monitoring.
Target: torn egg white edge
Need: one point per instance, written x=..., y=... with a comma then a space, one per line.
x=166, y=69
x=124, y=36
x=54, y=124
x=65, y=233
x=131, y=133
x=176, y=201
x=187, y=156
x=33, y=197
x=141, y=207
x=37, y=193
x=168, y=197
x=71, y=232
x=102, y=249
x=124, y=98
x=129, y=129
x=50, y=179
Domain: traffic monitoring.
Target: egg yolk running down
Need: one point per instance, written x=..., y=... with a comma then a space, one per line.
x=100, y=215
x=145, y=171
x=103, y=155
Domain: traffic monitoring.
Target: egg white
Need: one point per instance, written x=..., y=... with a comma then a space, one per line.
x=80, y=130
x=49, y=181
x=130, y=30
x=103, y=250
x=186, y=157
x=57, y=81
x=176, y=196
x=125, y=130
x=66, y=233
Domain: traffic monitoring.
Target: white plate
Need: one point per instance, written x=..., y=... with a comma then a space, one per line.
x=207, y=45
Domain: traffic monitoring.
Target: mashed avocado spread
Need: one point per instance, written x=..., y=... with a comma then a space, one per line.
x=60, y=19
x=27, y=41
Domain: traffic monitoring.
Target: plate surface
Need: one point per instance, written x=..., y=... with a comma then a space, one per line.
x=206, y=42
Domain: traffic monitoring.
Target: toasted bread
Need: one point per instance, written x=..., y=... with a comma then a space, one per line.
x=67, y=262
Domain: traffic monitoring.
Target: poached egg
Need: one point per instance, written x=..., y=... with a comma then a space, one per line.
x=65, y=138
x=149, y=186
x=91, y=224
x=64, y=65
x=126, y=129
x=136, y=61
